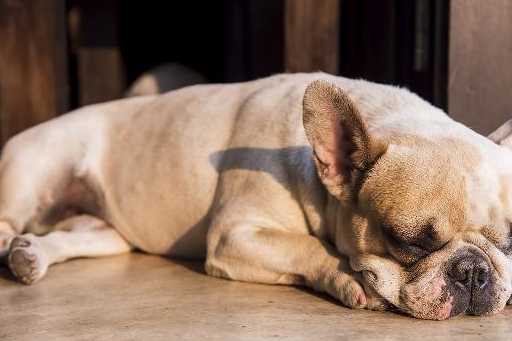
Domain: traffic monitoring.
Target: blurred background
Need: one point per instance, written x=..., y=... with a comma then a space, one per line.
x=57, y=55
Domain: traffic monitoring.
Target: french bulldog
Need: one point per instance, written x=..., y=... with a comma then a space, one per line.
x=363, y=191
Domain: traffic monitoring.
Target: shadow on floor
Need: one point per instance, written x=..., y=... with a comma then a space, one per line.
x=193, y=265
x=6, y=273
x=332, y=300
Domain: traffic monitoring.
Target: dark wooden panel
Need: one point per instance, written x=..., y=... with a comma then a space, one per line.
x=101, y=72
x=265, y=38
x=33, y=63
x=254, y=39
x=396, y=42
x=368, y=39
x=312, y=35
x=480, y=63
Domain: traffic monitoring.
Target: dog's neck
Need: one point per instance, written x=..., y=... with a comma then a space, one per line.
x=338, y=216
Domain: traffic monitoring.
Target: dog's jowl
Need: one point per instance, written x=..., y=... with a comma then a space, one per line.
x=363, y=191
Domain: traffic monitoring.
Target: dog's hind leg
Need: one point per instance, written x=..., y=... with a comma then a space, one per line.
x=34, y=175
x=7, y=233
x=78, y=236
x=18, y=204
x=20, y=199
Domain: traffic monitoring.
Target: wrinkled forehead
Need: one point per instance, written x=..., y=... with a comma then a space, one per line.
x=449, y=180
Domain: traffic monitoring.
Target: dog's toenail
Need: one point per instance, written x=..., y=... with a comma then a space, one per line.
x=361, y=300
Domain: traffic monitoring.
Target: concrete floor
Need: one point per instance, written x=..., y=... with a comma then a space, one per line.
x=141, y=297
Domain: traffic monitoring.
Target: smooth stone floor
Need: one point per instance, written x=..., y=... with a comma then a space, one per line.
x=141, y=297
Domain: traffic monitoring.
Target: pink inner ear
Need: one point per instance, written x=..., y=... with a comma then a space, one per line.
x=336, y=150
x=331, y=160
x=337, y=160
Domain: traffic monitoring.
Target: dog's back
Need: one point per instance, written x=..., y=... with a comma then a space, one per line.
x=150, y=166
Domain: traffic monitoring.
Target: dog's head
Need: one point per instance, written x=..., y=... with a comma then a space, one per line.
x=425, y=219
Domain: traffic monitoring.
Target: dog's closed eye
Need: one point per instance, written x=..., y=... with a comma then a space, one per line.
x=417, y=250
x=407, y=252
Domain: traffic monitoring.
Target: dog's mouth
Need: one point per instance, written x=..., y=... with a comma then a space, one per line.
x=433, y=297
x=441, y=297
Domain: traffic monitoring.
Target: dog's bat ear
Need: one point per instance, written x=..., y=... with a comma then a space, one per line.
x=338, y=134
x=503, y=135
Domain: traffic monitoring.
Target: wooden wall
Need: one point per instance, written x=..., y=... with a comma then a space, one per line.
x=480, y=63
x=312, y=35
x=37, y=41
x=101, y=70
x=33, y=63
x=56, y=55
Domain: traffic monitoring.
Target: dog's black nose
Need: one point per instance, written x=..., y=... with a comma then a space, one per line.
x=470, y=272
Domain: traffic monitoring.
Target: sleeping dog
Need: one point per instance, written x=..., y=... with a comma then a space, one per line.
x=359, y=190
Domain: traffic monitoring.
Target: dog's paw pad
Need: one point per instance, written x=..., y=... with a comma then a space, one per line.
x=27, y=259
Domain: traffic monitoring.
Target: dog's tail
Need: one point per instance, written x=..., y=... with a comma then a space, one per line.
x=163, y=78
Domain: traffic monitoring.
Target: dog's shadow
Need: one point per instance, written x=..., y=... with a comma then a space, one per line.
x=194, y=265
x=5, y=272
x=197, y=266
x=391, y=308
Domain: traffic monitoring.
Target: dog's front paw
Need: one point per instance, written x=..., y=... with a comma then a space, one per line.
x=27, y=259
x=353, y=292
x=345, y=288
